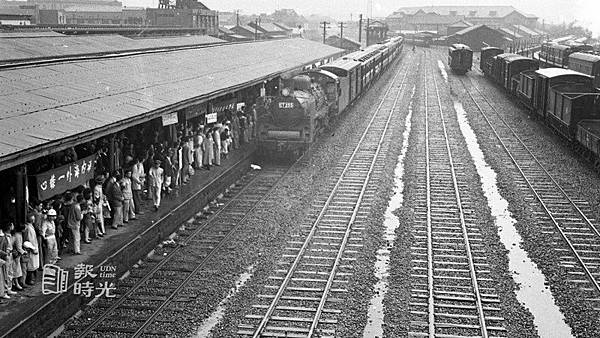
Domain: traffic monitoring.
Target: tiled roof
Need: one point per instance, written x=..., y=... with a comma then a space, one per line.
x=44, y=106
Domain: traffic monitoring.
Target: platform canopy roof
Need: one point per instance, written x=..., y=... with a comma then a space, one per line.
x=47, y=108
x=32, y=48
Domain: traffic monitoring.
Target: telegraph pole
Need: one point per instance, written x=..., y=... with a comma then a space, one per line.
x=360, y=28
x=256, y=29
x=324, y=24
x=367, y=29
x=341, y=34
x=237, y=15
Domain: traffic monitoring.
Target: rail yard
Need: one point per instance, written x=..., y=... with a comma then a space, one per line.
x=417, y=186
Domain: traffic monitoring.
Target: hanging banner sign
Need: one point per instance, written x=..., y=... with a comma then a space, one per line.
x=169, y=119
x=211, y=118
x=220, y=107
x=61, y=179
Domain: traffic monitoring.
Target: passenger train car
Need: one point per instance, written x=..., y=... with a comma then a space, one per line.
x=554, y=54
x=565, y=99
x=460, y=58
x=289, y=122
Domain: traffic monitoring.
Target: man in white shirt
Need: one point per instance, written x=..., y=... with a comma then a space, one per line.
x=137, y=183
x=155, y=176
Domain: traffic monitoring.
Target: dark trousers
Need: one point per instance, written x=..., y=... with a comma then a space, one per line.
x=137, y=200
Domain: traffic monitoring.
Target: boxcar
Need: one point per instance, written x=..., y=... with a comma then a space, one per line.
x=588, y=135
x=547, y=78
x=567, y=104
x=460, y=58
x=588, y=64
x=514, y=64
x=485, y=59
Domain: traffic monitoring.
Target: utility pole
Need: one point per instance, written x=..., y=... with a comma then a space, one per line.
x=324, y=26
x=237, y=15
x=367, y=30
x=256, y=30
x=360, y=28
x=341, y=34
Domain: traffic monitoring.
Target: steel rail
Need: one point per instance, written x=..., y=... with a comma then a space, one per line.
x=308, y=239
x=338, y=258
x=430, y=302
x=167, y=258
x=468, y=250
x=530, y=185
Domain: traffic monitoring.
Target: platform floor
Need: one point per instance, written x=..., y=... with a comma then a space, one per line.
x=25, y=303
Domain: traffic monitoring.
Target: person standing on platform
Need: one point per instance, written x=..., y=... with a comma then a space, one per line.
x=155, y=180
x=7, y=229
x=74, y=217
x=216, y=135
x=30, y=236
x=185, y=152
x=225, y=141
x=128, y=203
x=99, y=203
x=19, y=268
x=176, y=170
x=4, y=291
x=88, y=221
x=39, y=215
x=255, y=121
x=235, y=131
x=168, y=171
x=208, y=149
x=48, y=232
x=115, y=199
x=138, y=175
x=198, y=153
x=243, y=127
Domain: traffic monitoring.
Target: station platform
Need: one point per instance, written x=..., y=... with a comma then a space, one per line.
x=32, y=314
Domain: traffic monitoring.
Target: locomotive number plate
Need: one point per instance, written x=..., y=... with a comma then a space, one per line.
x=286, y=105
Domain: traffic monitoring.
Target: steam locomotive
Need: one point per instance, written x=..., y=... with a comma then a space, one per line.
x=290, y=122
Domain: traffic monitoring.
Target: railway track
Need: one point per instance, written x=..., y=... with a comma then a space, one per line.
x=154, y=293
x=312, y=277
x=453, y=294
x=567, y=219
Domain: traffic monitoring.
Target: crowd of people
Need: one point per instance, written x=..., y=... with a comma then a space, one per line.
x=113, y=199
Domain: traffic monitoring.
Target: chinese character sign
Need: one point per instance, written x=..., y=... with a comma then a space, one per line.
x=86, y=283
x=67, y=177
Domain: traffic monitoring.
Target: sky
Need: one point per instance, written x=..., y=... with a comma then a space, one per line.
x=586, y=12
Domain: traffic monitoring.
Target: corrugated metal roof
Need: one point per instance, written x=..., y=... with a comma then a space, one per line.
x=48, y=103
x=60, y=46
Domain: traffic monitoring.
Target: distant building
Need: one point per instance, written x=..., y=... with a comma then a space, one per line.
x=344, y=43
x=248, y=32
x=18, y=15
x=478, y=36
x=271, y=31
x=441, y=17
x=456, y=27
x=63, y=4
x=376, y=32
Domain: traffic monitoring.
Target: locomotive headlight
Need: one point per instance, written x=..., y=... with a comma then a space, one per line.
x=285, y=92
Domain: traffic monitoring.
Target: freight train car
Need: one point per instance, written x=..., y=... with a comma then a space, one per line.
x=289, y=122
x=485, y=58
x=588, y=64
x=460, y=58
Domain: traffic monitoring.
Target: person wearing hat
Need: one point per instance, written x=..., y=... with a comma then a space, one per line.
x=155, y=181
x=48, y=233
